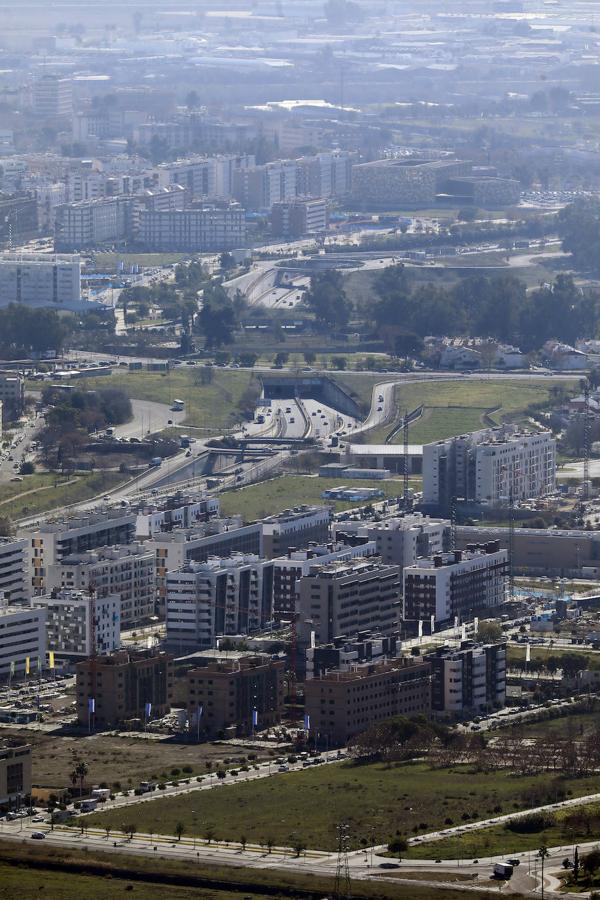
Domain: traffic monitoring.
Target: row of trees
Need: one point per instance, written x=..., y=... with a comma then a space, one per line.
x=25, y=331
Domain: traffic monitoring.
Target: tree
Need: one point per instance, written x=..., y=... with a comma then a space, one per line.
x=243, y=841
x=309, y=357
x=281, y=359
x=107, y=829
x=80, y=771
x=27, y=468
x=269, y=843
x=209, y=833
x=226, y=261
x=397, y=846
x=327, y=299
x=179, y=829
x=339, y=362
x=591, y=863
x=488, y=632
x=543, y=854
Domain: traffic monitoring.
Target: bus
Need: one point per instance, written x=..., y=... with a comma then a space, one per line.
x=178, y=405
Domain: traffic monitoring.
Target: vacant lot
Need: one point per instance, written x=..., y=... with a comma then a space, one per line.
x=110, y=261
x=114, y=759
x=270, y=497
x=456, y=407
x=213, y=405
x=574, y=727
x=516, y=656
x=375, y=800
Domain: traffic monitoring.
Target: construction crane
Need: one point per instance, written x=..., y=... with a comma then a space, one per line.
x=407, y=500
x=587, y=441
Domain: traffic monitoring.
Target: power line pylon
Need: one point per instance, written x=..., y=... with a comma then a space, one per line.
x=342, y=888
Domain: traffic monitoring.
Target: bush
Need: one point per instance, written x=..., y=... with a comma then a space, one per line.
x=187, y=769
x=532, y=823
x=397, y=846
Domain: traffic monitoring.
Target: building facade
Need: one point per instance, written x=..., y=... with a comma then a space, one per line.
x=235, y=696
x=129, y=572
x=346, y=597
x=118, y=688
x=340, y=705
x=14, y=563
x=40, y=279
x=23, y=640
x=456, y=584
x=15, y=774
x=295, y=528
x=195, y=229
x=81, y=624
x=230, y=596
x=489, y=466
x=467, y=680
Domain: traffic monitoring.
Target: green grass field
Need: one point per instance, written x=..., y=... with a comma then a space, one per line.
x=47, y=490
x=456, y=407
x=576, y=727
x=517, y=655
x=269, y=497
x=376, y=797
x=214, y=406
x=571, y=825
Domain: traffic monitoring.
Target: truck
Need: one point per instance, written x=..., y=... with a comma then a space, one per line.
x=503, y=870
x=147, y=786
x=88, y=805
x=184, y=440
x=177, y=405
x=155, y=462
x=100, y=794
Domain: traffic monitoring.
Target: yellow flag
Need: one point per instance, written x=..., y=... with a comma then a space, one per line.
x=51, y=659
x=27, y=666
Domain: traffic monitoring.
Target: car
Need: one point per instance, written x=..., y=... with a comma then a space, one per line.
x=38, y=835
x=514, y=861
x=283, y=768
x=389, y=865
x=38, y=819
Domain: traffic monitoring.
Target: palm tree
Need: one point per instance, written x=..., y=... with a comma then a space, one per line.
x=80, y=772
x=107, y=829
x=179, y=829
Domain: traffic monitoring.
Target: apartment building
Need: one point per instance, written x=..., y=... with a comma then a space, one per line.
x=178, y=511
x=340, y=705
x=468, y=679
x=402, y=540
x=128, y=572
x=22, y=640
x=91, y=223
x=14, y=587
x=12, y=395
x=230, y=596
x=294, y=218
x=235, y=696
x=345, y=597
x=295, y=528
x=343, y=655
x=15, y=773
x=202, y=229
x=122, y=687
x=262, y=186
x=53, y=97
x=489, y=466
x=289, y=569
x=80, y=624
x=218, y=537
x=51, y=542
x=197, y=175
x=40, y=279
x=456, y=584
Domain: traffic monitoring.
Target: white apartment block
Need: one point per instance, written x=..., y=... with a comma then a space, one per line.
x=40, y=279
x=197, y=175
x=13, y=570
x=401, y=540
x=89, y=223
x=489, y=466
x=22, y=639
x=202, y=229
x=53, y=97
x=128, y=572
x=219, y=597
x=79, y=624
x=51, y=542
x=456, y=585
x=180, y=511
